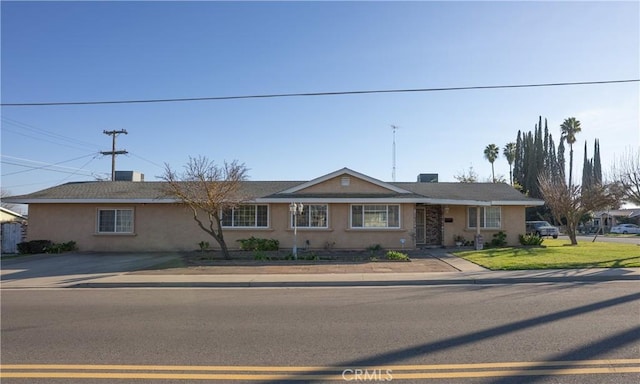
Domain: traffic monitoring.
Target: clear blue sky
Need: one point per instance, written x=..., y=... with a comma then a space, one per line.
x=94, y=51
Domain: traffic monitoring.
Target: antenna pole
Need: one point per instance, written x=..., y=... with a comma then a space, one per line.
x=393, y=154
x=113, y=151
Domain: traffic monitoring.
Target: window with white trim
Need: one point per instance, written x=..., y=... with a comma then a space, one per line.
x=246, y=216
x=312, y=216
x=375, y=216
x=115, y=220
x=490, y=217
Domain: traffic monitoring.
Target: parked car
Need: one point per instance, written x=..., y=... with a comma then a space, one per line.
x=625, y=228
x=542, y=228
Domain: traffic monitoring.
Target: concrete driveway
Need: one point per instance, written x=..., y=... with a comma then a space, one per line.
x=61, y=269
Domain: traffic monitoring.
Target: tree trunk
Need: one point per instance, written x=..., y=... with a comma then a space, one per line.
x=570, y=165
x=220, y=238
x=493, y=174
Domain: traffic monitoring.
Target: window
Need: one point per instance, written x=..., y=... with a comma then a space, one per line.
x=375, y=216
x=312, y=216
x=490, y=217
x=246, y=216
x=115, y=221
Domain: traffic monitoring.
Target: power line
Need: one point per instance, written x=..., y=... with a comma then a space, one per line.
x=337, y=93
x=45, y=166
x=59, y=139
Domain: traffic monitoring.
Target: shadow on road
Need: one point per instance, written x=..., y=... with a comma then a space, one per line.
x=69, y=264
x=586, y=352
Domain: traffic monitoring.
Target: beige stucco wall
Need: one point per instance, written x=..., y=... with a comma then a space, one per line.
x=512, y=224
x=355, y=185
x=163, y=227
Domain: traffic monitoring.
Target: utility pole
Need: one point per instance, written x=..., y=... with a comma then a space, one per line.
x=113, y=151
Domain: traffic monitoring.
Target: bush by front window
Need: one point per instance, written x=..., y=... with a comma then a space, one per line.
x=490, y=217
x=115, y=221
x=375, y=216
x=246, y=216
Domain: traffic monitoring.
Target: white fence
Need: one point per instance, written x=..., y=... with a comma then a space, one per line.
x=11, y=233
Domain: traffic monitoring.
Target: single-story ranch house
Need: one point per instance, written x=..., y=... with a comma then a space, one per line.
x=341, y=210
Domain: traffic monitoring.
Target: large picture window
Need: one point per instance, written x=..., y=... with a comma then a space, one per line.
x=246, y=216
x=375, y=216
x=490, y=217
x=312, y=216
x=115, y=221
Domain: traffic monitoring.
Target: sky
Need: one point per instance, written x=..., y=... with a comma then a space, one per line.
x=115, y=51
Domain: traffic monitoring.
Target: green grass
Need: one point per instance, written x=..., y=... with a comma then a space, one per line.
x=557, y=254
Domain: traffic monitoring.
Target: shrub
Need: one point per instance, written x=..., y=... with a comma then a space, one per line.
x=499, y=239
x=530, y=239
x=34, y=246
x=46, y=246
x=256, y=244
x=398, y=256
x=261, y=256
x=312, y=257
x=204, y=245
x=61, y=247
x=374, y=248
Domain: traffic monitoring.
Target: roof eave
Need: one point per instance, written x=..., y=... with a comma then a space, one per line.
x=95, y=201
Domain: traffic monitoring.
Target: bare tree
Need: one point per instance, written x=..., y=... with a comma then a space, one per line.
x=4, y=194
x=208, y=190
x=571, y=203
x=471, y=177
x=626, y=171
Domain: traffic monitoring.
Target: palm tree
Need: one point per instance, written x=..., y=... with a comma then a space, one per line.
x=491, y=153
x=509, y=151
x=569, y=128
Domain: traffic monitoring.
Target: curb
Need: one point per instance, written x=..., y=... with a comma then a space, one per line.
x=373, y=283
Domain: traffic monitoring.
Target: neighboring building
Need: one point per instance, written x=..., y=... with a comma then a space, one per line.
x=12, y=230
x=342, y=210
x=604, y=220
x=7, y=215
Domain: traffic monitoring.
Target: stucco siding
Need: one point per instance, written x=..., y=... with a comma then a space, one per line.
x=162, y=227
x=355, y=185
x=512, y=224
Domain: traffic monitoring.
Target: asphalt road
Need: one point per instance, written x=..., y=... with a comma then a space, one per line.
x=624, y=239
x=542, y=333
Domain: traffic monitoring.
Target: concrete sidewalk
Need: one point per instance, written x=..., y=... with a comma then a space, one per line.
x=360, y=279
x=460, y=272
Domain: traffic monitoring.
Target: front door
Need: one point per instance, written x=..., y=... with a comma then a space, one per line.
x=429, y=225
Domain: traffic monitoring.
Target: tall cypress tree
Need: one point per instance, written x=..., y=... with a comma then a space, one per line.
x=539, y=148
x=597, y=165
x=547, y=159
x=553, y=161
x=518, y=173
x=561, y=160
x=587, y=170
x=532, y=166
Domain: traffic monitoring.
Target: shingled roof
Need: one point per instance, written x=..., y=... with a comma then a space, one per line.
x=275, y=191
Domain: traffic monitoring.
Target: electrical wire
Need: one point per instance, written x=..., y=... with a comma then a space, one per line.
x=48, y=134
x=46, y=166
x=337, y=93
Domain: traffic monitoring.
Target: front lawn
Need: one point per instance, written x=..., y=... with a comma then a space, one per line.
x=557, y=254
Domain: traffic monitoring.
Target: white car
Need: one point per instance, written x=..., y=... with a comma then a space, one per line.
x=626, y=228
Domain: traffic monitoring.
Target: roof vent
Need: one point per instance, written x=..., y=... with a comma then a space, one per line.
x=129, y=176
x=428, y=178
x=345, y=181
